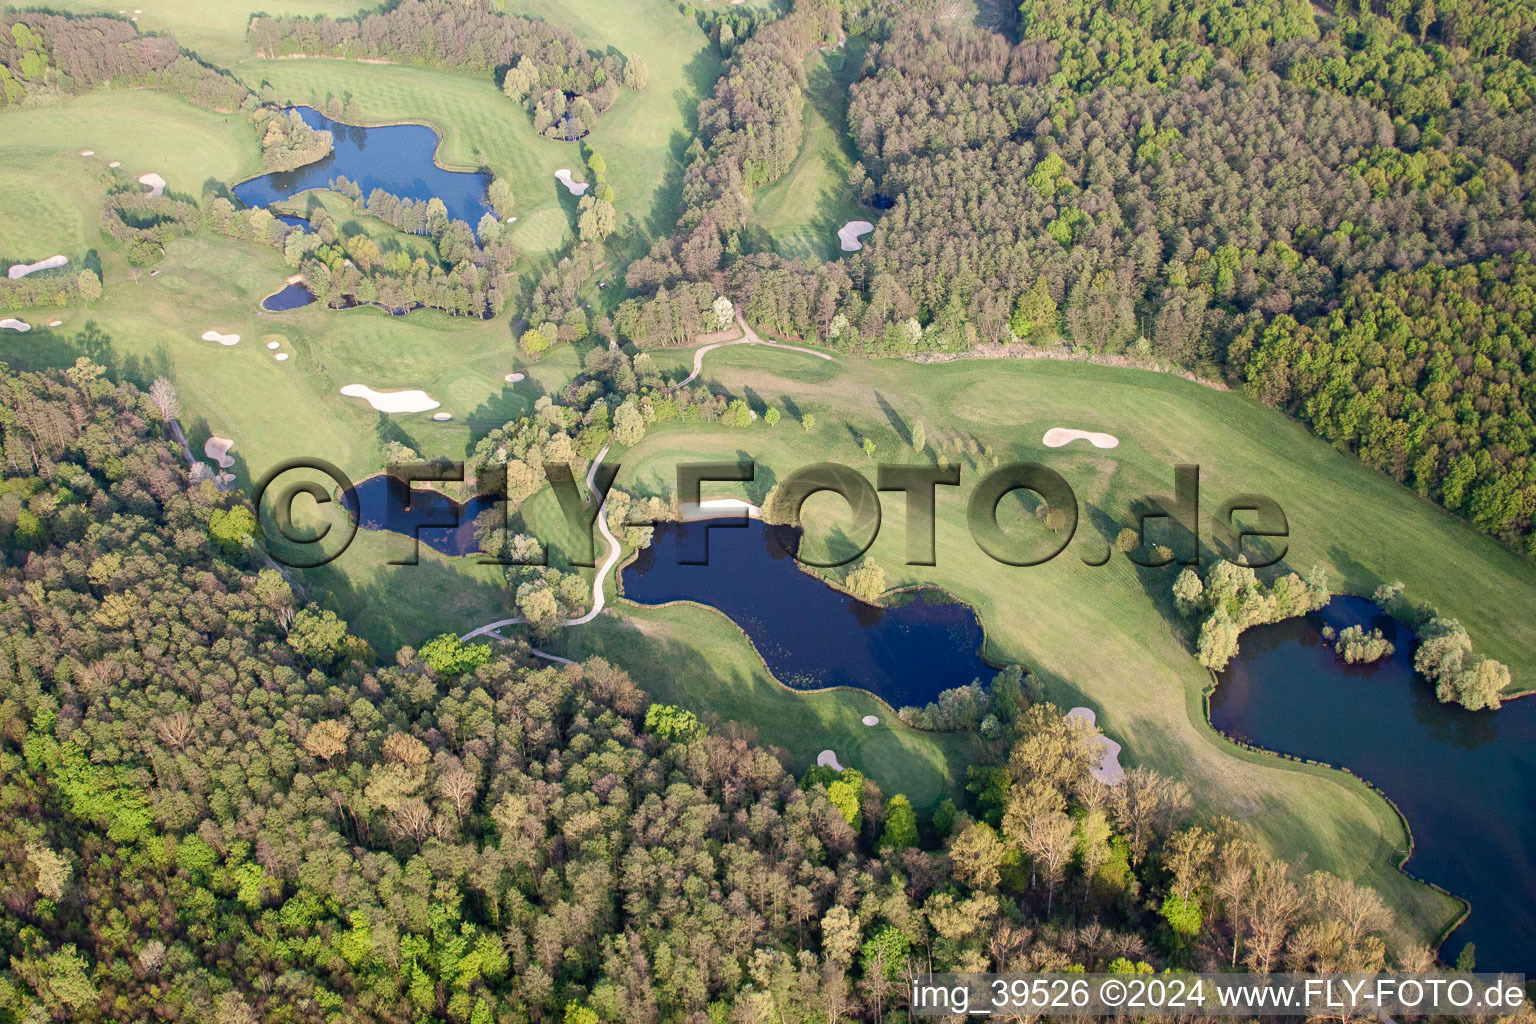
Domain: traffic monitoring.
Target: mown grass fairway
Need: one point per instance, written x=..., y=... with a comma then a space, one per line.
x=213, y=29
x=1108, y=637
x=698, y=658
x=144, y=131
x=1102, y=636
x=803, y=210
x=643, y=135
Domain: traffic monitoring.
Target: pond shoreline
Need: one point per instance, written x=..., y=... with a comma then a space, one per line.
x=1447, y=774
x=905, y=651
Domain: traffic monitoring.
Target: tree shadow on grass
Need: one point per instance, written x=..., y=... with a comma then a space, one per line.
x=387, y=618
x=897, y=422
x=763, y=478
x=701, y=74
x=793, y=726
x=511, y=402
x=44, y=349
x=1355, y=577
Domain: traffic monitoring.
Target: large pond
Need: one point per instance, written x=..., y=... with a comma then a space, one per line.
x=374, y=509
x=809, y=634
x=396, y=158
x=1466, y=780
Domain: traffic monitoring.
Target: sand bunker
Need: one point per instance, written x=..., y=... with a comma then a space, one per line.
x=828, y=759
x=871, y=720
x=281, y=357
x=710, y=508
x=1058, y=436
x=14, y=325
x=154, y=181
x=392, y=401
x=115, y=164
x=850, y=233
x=575, y=188
x=1108, y=770
x=442, y=417
x=87, y=152
x=217, y=448
x=274, y=344
x=512, y=378
x=20, y=270
x=56, y=323
x=222, y=339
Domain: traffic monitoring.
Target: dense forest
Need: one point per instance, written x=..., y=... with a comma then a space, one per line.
x=1163, y=182
x=224, y=806
x=1426, y=375
x=540, y=64
x=51, y=53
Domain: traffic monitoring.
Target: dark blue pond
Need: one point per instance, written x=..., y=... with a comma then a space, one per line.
x=809, y=634
x=426, y=514
x=1465, y=780
x=291, y=297
x=396, y=158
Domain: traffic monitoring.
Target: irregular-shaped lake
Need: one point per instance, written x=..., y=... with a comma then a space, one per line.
x=426, y=514
x=1465, y=780
x=397, y=158
x=809, y=634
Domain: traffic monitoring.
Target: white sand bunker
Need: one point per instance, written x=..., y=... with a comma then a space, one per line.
x=392, y=401
x=281, y=357
x=827, y=759
x=1058, y=436
x=217, y=448
x=850, y=233
x=87, y=152
x=154, y=181
x=20, y=270
x=871, y=720
x=575, y=188
x=274, y=344
x=442, y=417
x=1108, y=770
x=512, y=378
x=115, y=164
x=710, y=508
x=222, y=339
x=55, y=323
x=14, y=325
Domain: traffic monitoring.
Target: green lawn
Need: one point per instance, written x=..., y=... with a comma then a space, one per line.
x=643, y=135
x=144, y=131
x=696, y=657
x=1107, y=637
x=803, y=209
x=213, y=29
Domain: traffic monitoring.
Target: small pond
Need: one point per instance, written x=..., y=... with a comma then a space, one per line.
x=427, y=514
x=397, y=158
x=809, y=634
x=291, y=297
x=1465, y=780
